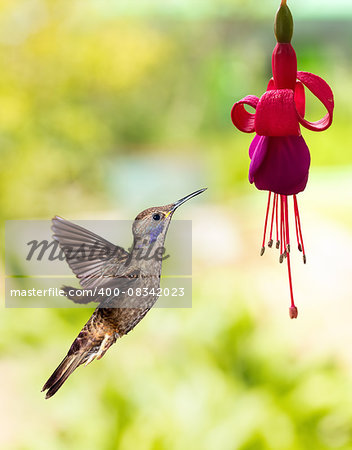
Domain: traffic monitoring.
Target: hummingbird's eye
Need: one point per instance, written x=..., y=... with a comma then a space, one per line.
x=156, y=216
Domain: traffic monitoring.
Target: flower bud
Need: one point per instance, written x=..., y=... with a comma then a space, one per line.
x=283, y=27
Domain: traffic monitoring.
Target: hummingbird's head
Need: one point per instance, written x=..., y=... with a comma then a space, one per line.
x=152, y=223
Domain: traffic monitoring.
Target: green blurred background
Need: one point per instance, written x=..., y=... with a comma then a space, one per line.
x=108, y=107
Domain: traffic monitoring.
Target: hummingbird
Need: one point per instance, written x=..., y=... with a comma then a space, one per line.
x=110, y=266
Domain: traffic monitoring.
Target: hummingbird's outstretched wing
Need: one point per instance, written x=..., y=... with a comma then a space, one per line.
x=91, y=257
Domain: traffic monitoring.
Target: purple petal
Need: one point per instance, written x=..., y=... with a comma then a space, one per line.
x=257, y=152
x=281, y=165
x=254, y=144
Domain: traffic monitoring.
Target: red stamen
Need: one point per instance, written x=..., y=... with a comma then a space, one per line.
x=277, y=222
x=270, y=243
x=287, y=247
x=300, y=242
x=282, y=230
x=297, y=233
x=283, y=227
x=283, y=236
x=265, y=225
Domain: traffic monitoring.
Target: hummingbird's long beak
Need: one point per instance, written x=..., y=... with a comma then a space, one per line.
x=184, y=199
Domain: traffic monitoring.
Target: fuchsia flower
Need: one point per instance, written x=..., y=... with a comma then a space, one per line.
x=279, y=156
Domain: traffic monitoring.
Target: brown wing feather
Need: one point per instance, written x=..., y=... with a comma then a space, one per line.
x=92, y=258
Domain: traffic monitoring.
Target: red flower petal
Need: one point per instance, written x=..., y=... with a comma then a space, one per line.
x=242, y=119
x=323, y=92
x=276, y=114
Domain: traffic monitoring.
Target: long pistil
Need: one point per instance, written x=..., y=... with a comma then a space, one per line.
x=293, y=312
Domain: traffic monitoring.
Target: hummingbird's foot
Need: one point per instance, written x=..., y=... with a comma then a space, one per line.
x=99, y=352
x=108, y=340
x=90, y=359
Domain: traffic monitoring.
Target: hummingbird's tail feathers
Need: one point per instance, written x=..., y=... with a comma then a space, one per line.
x=81, y=296
x=58, y=378
x=84, y=349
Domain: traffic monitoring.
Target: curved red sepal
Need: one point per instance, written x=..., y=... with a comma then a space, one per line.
x=242, y=119
x=300, y=99
x=323, y=92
